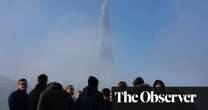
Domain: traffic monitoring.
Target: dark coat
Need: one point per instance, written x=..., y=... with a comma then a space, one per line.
x=35, y=95
x=107, y=105
x=19, y=100
x=72, y=101
x=54, y=98
x=90, y=99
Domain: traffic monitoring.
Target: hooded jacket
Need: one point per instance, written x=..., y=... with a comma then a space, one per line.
x=54, y=98
x=90, y=99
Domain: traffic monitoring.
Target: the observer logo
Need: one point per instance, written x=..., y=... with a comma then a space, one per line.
x=151, y=97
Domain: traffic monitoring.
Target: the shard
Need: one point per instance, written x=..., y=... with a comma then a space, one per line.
x=105, y=38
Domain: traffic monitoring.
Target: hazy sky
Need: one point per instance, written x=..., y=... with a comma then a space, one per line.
x=155, y=39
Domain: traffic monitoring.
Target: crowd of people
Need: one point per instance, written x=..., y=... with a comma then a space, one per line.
x=53, y=96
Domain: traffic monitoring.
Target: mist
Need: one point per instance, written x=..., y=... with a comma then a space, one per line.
x=65, y=48
x=60, y=40
x=57, y=40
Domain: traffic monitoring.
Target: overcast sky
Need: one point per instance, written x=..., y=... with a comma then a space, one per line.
x=155, y=39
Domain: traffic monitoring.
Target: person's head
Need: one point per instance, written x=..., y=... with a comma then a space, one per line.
x=138, y=81
x=42, y=79
x=69, y=89
x=106, y=94
x=93, y=81
x=55, y=86
x=22, y=84
x=159, y=85
x=122, y=84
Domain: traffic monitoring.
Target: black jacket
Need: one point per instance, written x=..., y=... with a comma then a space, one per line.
x=19, y=100
x=72, y=101
x=35, y=95
x=90, y=99
x=54, y=98
x=107, y=105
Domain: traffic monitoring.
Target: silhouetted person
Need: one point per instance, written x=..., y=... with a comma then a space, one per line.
x=54, y=98
x=19, y=99
x=122, y=84
x=39, y=88
x=139, y=81
x=69, y=89
x=91, y=98
x=107, y=105
x=159, y=86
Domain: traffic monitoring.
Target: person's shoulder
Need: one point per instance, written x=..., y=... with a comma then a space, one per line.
x=44, y=95
x=32, y=91
x=46, y=92
x=14, y=93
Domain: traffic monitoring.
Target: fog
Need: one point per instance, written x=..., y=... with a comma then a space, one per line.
x=64, y=47
x=63, y=50
x=33, y=41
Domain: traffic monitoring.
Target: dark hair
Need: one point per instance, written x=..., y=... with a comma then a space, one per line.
x=93, y=81
x=138, y=81
x=122, y=84
x=106, y=92
x=42, y=79
x=56, y=86
x=22, y=79
x=159, y=82
x=79, y=91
